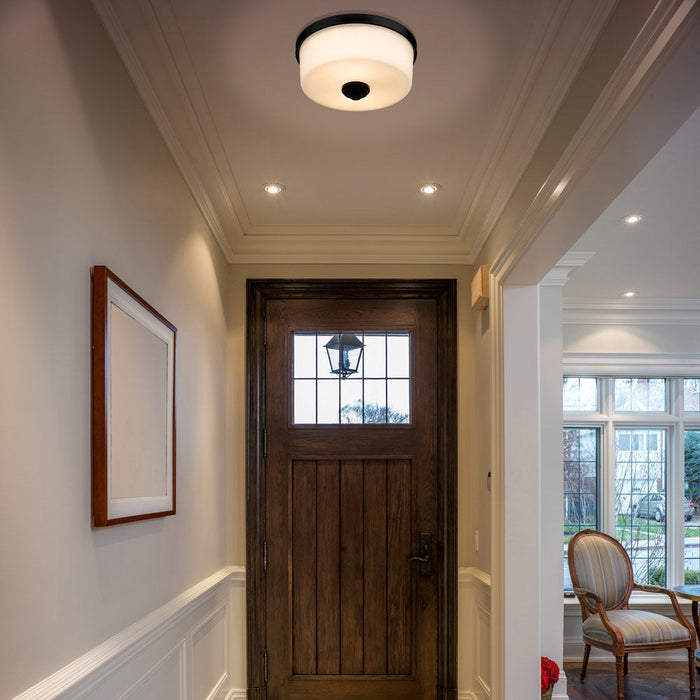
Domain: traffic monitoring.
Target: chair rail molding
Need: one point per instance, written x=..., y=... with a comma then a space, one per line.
x=185, y=646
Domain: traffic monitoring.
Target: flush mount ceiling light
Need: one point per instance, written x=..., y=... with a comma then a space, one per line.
x=356, y=62
x=273, y=187
x=430, y=188
x=630, y=293
x=632, y=219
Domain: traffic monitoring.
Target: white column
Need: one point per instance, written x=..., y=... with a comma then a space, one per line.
x=532, y=485
x=551, y=478
x=522, y=565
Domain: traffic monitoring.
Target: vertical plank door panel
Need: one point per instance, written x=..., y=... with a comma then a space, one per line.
x=304, y=566
x=399, y=566
x=375, y=516
x=351, y=565
x=328, y=566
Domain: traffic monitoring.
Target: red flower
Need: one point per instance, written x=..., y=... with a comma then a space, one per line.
x=549, y=673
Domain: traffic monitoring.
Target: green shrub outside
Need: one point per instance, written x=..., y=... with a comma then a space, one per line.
x=657, y=576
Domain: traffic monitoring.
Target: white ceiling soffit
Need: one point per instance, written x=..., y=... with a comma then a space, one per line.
x=221, y=83
x=658, y=257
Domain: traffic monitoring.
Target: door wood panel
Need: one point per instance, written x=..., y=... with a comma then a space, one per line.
x=342, y=622
x=335, y=605
x=376, y=516
x=328, y=567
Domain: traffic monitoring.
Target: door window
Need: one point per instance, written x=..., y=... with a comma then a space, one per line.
x=375, y=390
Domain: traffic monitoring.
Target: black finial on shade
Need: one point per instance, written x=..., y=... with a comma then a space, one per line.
x=355, y=90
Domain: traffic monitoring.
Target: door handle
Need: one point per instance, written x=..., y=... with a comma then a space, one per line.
x=425, y=558
x=426, y=554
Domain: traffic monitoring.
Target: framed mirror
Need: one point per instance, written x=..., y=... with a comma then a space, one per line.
x=133, y=405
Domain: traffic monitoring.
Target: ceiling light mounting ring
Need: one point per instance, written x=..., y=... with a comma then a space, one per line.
x=356, y=62
x=357, y=18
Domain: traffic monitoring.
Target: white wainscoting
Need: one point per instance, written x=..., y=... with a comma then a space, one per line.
x=474, y=634
x=192, y=648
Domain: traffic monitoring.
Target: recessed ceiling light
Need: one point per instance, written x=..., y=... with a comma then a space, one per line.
x=273, y=187
x=632, y=219
x=630, y=294
x=430, y=188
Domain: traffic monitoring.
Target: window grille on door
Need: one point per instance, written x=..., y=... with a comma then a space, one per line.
x=379, y=392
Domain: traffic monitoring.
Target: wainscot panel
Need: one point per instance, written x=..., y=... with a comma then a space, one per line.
x=474, y=634
x=188, y=649
x=193, y=648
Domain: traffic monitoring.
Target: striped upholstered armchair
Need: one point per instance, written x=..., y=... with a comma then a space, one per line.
x=601, y=573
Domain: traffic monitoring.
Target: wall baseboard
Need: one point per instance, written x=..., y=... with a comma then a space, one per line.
x=181, y=650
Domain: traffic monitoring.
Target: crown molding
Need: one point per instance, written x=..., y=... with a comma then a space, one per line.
x=112, y=21
x=661, y=33
x=301, y=234
x=631, y=312
x=564, y=270
x=575, y=25
x=623, y=364
x=357, y=258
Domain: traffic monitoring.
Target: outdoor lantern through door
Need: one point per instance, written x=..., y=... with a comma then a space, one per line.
x=344, y=353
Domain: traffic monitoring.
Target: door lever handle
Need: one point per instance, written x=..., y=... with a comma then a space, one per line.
x=426, y=554
x=425, y=558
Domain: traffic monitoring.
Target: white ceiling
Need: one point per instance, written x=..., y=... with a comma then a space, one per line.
x=221, y=81
x=660, y=256
x=495, y=83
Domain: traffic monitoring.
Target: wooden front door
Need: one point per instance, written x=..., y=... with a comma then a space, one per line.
x=354, y=542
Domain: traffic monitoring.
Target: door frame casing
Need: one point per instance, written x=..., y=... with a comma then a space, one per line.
x=259, y=292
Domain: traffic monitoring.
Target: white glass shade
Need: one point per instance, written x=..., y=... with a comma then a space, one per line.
x=363, y=53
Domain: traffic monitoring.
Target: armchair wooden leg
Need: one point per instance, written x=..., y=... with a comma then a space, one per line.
x=691, y=671
x=619, y=663
x=626, y=664
x=584, y=665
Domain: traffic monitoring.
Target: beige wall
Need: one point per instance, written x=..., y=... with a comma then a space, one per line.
x=621, y=338
x=481, y=499
x=85, y=180
x=465, y=369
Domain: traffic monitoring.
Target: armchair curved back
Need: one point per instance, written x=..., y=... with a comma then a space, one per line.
x=599, y=563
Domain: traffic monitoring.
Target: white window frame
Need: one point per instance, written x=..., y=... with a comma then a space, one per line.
x=674, y=421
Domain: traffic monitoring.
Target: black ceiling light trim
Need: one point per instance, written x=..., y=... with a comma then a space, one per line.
x=355, y=18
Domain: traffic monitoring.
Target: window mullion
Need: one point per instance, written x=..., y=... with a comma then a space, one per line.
x=608, y=462
x=676, y=466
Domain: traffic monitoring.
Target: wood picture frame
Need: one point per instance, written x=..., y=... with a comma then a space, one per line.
x=133, y=405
